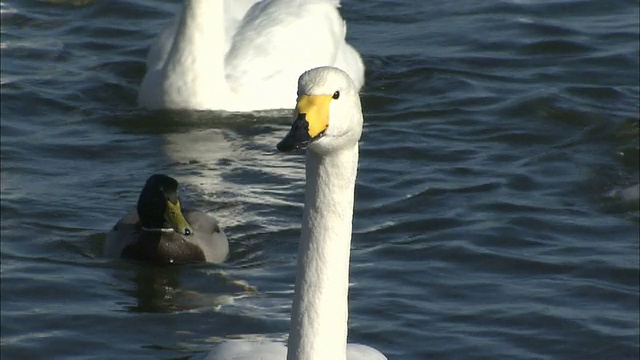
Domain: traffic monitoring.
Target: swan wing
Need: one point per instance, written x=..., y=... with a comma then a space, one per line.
x=279, y=39
x=248, y=350
x=363, y=352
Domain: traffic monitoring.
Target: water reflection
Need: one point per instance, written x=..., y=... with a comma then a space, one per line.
x=159, y=289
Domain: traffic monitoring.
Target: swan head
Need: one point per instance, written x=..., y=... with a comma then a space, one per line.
x=328, y=114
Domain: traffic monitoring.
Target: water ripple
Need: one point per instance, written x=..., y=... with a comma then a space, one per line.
x=495, y=208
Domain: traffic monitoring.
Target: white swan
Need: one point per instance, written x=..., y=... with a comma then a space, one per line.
x=225, y=55
x=329, y=122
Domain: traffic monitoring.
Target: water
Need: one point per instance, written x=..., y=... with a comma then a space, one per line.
x=495, y=215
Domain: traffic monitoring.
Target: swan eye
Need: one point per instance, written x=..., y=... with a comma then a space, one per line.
x=336, y=95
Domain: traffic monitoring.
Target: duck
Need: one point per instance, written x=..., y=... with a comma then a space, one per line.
x=328, y=124
x=160, y=231
x=244, y=55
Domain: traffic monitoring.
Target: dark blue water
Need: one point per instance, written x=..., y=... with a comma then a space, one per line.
x=495, y=209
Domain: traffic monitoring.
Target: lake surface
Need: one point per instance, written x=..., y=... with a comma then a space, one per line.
x=496, y=206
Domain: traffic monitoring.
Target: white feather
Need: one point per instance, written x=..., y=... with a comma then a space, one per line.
x=244, y=55
x=320, y=309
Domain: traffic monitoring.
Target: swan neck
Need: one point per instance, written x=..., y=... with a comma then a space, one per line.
x=197, y=53
x=320, y=307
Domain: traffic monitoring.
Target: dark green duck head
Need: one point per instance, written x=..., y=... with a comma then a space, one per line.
x=159, y=205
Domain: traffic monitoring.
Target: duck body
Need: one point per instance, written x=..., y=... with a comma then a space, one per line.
x=328, y=123
x=208, y=243
x=149, y=233
x=219, y=55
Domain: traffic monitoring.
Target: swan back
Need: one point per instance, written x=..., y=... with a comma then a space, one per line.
x=283, y=26
x=222, y=55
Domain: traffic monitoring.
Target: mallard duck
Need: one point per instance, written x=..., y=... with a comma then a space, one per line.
x=329, y=124
x=226, y=55
x=159, y=230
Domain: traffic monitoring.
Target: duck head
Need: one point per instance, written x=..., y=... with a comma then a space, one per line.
x=159, y=205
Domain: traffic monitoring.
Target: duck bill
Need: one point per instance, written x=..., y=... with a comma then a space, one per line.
x=173, y=216
x=312, y=120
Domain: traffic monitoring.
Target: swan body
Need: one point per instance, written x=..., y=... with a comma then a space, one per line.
x=245, y=55
x=329, y=124
x=158, y=230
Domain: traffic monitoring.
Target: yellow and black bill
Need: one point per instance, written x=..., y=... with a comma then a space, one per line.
x=311, y=123
x=173, y=216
